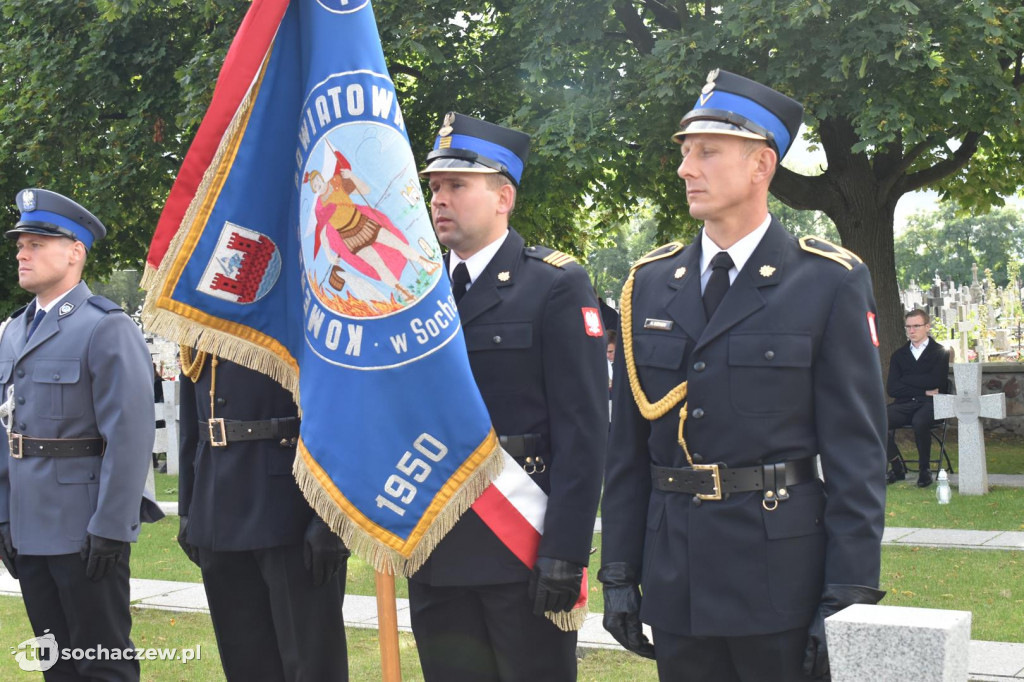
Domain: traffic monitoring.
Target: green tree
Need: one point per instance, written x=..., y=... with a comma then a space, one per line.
x=948, y=241
x=900, y=95
x=98, y=101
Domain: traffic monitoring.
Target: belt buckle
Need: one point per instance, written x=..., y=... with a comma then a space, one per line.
x=214, y=424
x=716, y=480
x=13, y=438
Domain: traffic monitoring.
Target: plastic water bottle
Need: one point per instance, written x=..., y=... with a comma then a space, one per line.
x=942, y=491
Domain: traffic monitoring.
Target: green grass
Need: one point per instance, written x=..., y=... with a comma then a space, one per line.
x=157, y=556
x=166, y=487
x=907, y=506
x=988, y=583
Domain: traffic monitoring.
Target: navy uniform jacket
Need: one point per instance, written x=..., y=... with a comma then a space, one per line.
x=539, y=372
x=85, y=373
x=786, y=370
x=909, y=378
x=241, y=496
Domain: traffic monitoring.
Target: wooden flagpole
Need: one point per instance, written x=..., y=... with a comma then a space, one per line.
x=387, y=628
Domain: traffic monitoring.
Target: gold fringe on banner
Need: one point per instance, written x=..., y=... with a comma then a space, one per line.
x=568, y=621
x=388, y=553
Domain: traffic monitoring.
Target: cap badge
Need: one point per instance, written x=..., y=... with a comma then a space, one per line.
x=710, y=84
x=767, y=270
x=503, y=276
x=66, y=308
x=679, y=272
x=446, y=125
x=28, y=200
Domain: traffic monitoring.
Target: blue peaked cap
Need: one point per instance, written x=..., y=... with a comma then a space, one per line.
x=471, y=145
x=54, y=215
x=733, y=105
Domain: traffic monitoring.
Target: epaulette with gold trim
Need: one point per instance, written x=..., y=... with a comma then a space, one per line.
x=550, y=256
x=663, y=251
x=827, y=249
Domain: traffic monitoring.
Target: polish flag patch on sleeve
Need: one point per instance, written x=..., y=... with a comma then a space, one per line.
x=873, y=329
x=592, y=322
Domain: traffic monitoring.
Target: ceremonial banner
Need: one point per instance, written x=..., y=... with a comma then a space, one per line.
x=295, y=241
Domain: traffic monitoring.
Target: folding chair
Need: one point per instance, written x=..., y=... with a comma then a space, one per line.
x=938, y=432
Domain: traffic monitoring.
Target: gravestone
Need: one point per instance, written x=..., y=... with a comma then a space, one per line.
x=170, y=404
x=968, y=406
x=897, y=644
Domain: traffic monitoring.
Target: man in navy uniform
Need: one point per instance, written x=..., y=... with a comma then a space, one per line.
x=78, y=383
x=536, y=348
x=745, y=355
x=274, y=573
x=918, y=371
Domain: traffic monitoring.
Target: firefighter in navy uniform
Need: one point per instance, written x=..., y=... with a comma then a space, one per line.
x=536, y=348
x=744, y=355
x=274, y=573
x=77, y=381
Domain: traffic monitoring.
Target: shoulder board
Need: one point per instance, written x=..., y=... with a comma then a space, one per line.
x=663, y=251
x=104, y=303
x=549, y=256
x=827, y=249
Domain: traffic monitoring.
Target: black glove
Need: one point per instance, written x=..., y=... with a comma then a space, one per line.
x=324, y=553
x=554, y=585
x=191, y=551
x=100, y=555
x=7, y=551
x=834, y=599
x=622, y=608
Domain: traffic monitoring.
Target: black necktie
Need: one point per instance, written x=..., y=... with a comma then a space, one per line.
x=460, y=279
x=40, y=314
x=718, y=284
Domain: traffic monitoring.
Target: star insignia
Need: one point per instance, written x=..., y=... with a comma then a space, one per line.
x=767, y=270
x=503, y=276
x=679, y=272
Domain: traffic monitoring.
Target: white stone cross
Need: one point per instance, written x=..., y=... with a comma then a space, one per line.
x=968, y=405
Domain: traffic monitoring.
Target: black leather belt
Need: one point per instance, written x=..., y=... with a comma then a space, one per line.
x=220, y=432
x=22, y=446
x=526, y=449
x=712, y=481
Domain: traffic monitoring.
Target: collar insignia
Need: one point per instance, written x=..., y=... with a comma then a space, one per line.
x=679, y=272
x=65, y=308
x=767, y=270
x=504, y=276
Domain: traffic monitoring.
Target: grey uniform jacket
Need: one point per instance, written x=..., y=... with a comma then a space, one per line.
x=85, y=373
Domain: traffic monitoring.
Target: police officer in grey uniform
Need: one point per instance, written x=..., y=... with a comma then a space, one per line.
x=274, y=573
x=79, y=426
x=536, y=348
x=744, y=356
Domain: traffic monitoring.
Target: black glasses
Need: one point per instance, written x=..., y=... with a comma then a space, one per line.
x=914, y=326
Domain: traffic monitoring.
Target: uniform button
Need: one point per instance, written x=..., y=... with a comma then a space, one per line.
x=769, y=354
x=56, y=377
x=697, y=501
x=697, y=459
x=698, y=413
x=92, y=477
x=134, y=526
x=22, y=427
x=21, y=400
x=699, y=366
x=21, y=373
x=496, y=339
x=221, y=402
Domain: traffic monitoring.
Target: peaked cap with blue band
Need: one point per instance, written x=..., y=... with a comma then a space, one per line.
x=471, y=145
x=54, y=215
x=734, y=105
